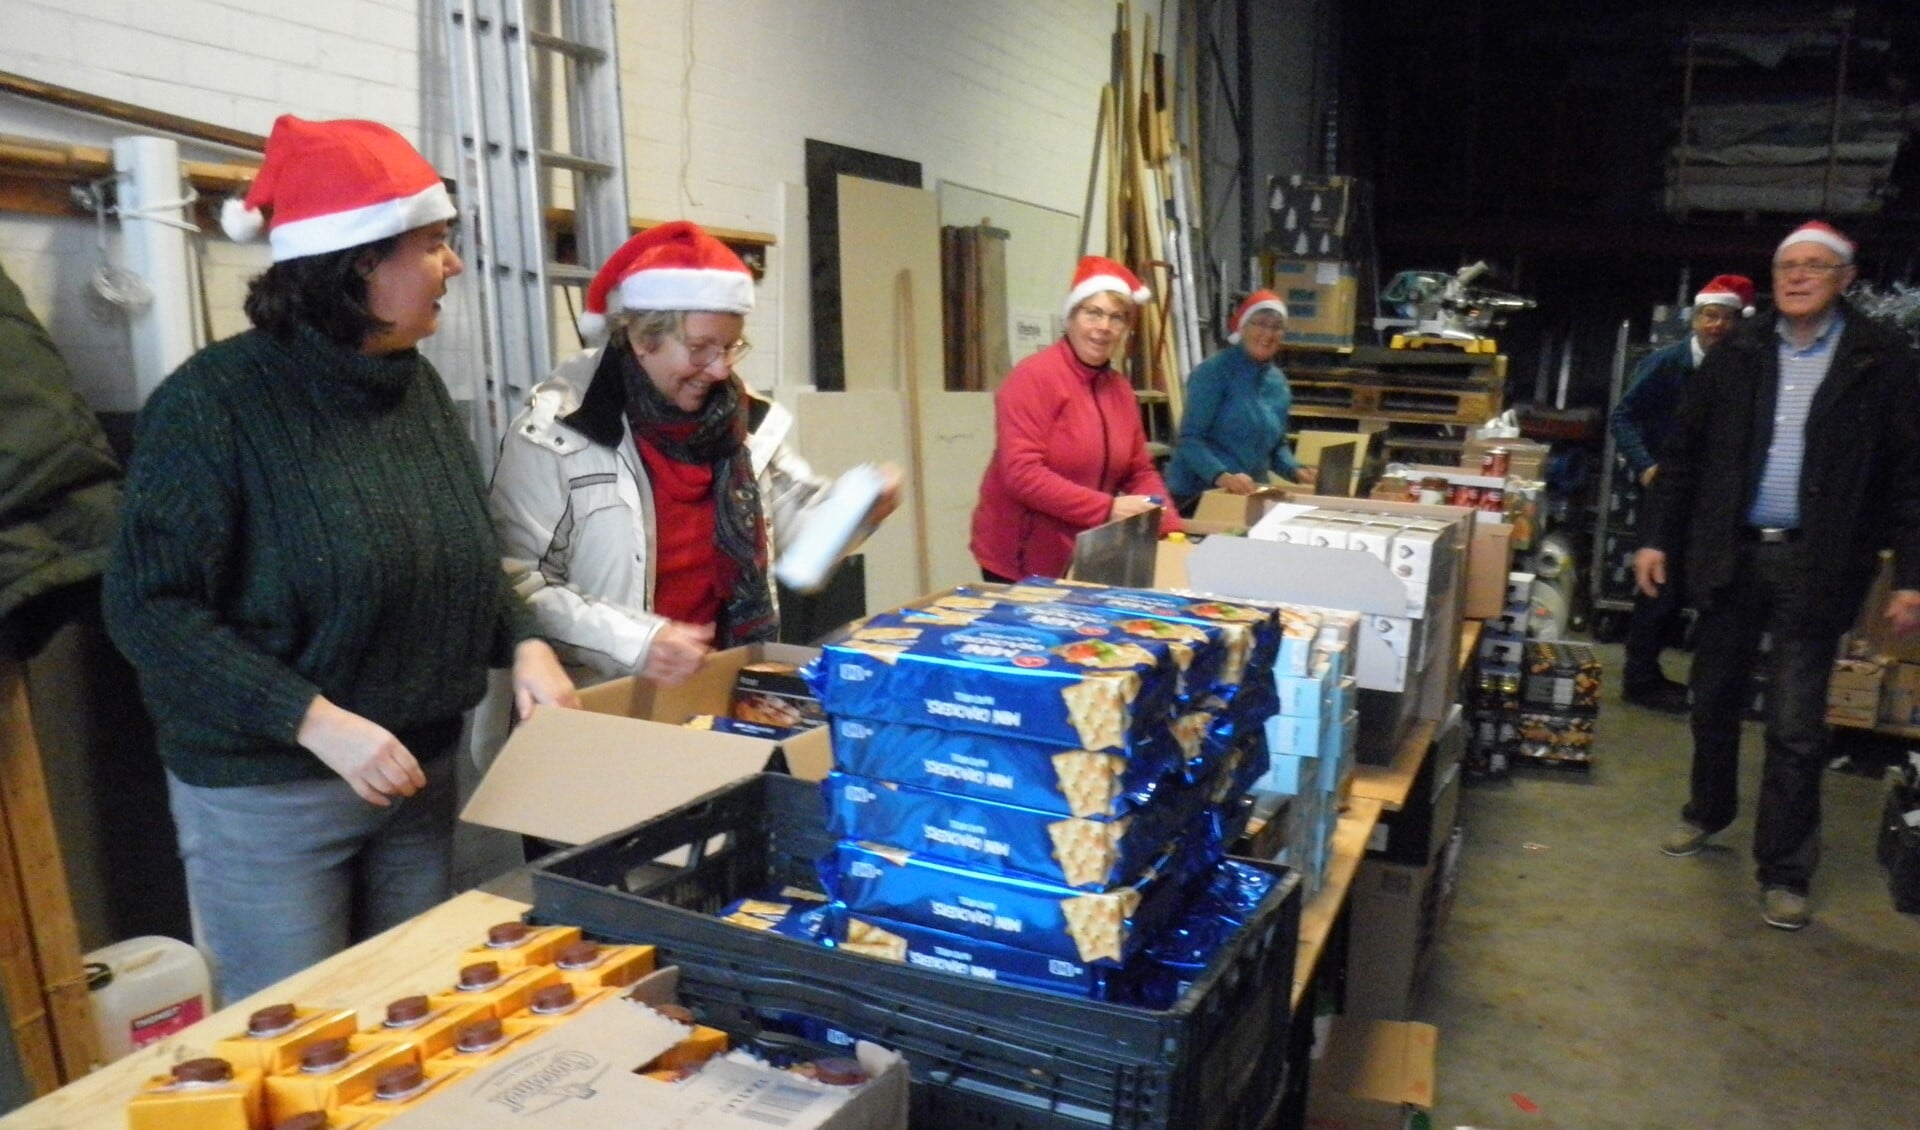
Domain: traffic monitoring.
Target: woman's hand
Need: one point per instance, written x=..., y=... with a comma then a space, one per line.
x=676, y=652
x=1127, y=505
x=1307, y=476
x=1233, y=482
x=365, y=754
x=889, y=499
x=539, y=679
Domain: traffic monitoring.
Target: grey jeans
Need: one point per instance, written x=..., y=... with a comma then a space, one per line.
x=282, y=876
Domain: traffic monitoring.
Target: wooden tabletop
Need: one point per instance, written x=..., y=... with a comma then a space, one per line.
x=418, y=956
x=1317, y=917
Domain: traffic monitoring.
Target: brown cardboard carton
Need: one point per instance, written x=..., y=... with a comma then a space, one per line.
x=627, y=742
x=1372, y=1074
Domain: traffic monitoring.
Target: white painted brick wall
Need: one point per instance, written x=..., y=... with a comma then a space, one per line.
x=999, y=95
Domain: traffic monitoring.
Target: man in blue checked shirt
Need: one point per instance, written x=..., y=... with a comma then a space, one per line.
x=1795, y=459
x=1641, y=423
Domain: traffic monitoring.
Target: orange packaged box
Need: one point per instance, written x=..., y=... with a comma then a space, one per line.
x=501, y=992
x=401, y=1088
x=332, y=1073
x=516, y=945
x=559, y=1003
x=199, y=1094
x=588, y=965
x=277, y=1034
x=687, y=1056
x=483, y=1039
x=426, y=1023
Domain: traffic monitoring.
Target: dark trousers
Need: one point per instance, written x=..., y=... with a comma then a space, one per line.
x=1647, y=627
x=1768, y=598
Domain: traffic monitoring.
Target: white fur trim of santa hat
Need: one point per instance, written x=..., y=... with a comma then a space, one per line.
x=1097, y=275
x=355, y=226
x=1252, y=304
x=1813, y=231
x=1727, y=290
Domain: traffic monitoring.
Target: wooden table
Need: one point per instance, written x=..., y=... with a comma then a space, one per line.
x=418, y=956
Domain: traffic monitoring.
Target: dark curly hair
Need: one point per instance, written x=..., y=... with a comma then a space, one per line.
x=326, y=291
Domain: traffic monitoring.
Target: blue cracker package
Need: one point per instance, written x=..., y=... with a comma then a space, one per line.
x=1251, y=630
x=1090, y=927
x=1073, y=782
x=1005, y=680
x=947, y=952
x=1089, y=853
x=721, y=724
x=1173, y=960
x=806, y=919
x=1203, y=659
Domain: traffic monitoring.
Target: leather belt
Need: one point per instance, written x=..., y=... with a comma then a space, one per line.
x=1772, y=535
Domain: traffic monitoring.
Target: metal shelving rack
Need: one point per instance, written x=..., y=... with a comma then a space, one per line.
x=1616, y=516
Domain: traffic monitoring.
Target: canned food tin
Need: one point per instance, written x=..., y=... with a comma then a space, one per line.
x=1464, y=495
x=1493, y=500
x=1494, y=461
x=1433, y=490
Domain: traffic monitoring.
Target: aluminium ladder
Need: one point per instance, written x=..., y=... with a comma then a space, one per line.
x=506, y=75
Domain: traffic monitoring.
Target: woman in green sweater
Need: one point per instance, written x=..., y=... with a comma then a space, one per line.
x=306, y=578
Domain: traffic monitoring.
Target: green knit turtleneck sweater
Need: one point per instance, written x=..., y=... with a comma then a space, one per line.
x=303, y=520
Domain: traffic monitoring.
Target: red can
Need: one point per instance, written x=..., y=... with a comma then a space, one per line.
x=1493, y=500
x=1464, y=495
x=1494, y=462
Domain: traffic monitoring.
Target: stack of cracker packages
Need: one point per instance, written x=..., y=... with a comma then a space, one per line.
x=1034, y=784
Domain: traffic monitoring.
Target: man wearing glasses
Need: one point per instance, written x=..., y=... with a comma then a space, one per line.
x=1794, y=461
x=1641, y=423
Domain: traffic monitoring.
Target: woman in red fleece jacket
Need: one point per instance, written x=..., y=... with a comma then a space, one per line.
x=1069, y=453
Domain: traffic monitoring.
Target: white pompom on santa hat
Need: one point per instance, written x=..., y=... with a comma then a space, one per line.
x=672, y=266
x=1254, y=303
x=1826, y=235
x=1097, y=274
x=334, y=185
x=1727, y=290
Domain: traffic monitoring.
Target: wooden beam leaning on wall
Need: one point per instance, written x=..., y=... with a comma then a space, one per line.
x=42, y=972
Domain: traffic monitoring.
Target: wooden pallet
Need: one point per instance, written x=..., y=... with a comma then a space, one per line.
x=1396, y=402
x=1395, y=366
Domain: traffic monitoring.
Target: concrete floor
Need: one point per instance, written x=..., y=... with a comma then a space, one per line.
x=1586, y=980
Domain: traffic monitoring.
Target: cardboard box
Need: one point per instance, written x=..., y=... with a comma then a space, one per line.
x=1321, y=297
x=626, y=757
x=1489, y=557
x=582, y=1075
x=1392, y=913
x=1416, y=832
x=1525, y=459
x=1310, y=216
x=1372, y=1075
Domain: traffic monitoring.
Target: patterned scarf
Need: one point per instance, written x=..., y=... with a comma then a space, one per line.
x=718, y=440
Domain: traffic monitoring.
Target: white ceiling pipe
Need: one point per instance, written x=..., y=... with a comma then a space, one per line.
x=153, y=232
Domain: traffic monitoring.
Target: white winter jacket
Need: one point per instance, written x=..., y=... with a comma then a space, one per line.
x=575, y=515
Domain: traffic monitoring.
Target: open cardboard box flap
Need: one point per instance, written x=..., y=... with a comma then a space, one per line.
x=571, y=776
x=1370, y=1072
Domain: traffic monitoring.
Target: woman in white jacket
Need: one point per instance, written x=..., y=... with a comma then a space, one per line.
x=640, y=493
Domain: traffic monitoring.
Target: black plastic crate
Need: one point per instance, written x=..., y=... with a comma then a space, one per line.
x=983, y=1055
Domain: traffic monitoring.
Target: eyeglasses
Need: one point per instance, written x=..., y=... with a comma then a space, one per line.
x=703, y=355
x=1791, y=267
x=1097, y=316
x=1271, y=325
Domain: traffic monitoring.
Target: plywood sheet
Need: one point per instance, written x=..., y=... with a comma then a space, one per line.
x=890, y=284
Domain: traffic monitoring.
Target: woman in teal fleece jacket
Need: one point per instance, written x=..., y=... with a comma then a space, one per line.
x=306, y=578
x=1234, y=430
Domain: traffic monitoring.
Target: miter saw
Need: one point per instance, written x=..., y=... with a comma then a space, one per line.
x=1434, y=308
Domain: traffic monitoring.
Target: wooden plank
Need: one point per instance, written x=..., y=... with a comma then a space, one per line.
x=20, y=978
x=1317, y=917
x=98, y=106
x=420, y=955
x=43, y=883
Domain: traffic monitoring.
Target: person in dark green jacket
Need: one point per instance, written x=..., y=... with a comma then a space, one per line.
x=306, y=578
x=1234, y=431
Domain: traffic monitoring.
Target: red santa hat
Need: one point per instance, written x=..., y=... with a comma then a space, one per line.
x=1813, y=231
x=329, y=186
x=674, y=266
x=1255, y=302
x=1727, y=290
x=1098, y=273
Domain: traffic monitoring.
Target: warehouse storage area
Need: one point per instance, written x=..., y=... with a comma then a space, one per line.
x=867, y=564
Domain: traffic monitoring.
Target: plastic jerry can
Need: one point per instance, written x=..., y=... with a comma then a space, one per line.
x=145, y=989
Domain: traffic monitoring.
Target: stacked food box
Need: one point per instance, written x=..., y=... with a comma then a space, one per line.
x=1034, y=784
x=1494, y=736
x=1311, y=736
x=1559, y=700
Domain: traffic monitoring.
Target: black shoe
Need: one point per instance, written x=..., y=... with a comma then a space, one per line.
x=1666, y=696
